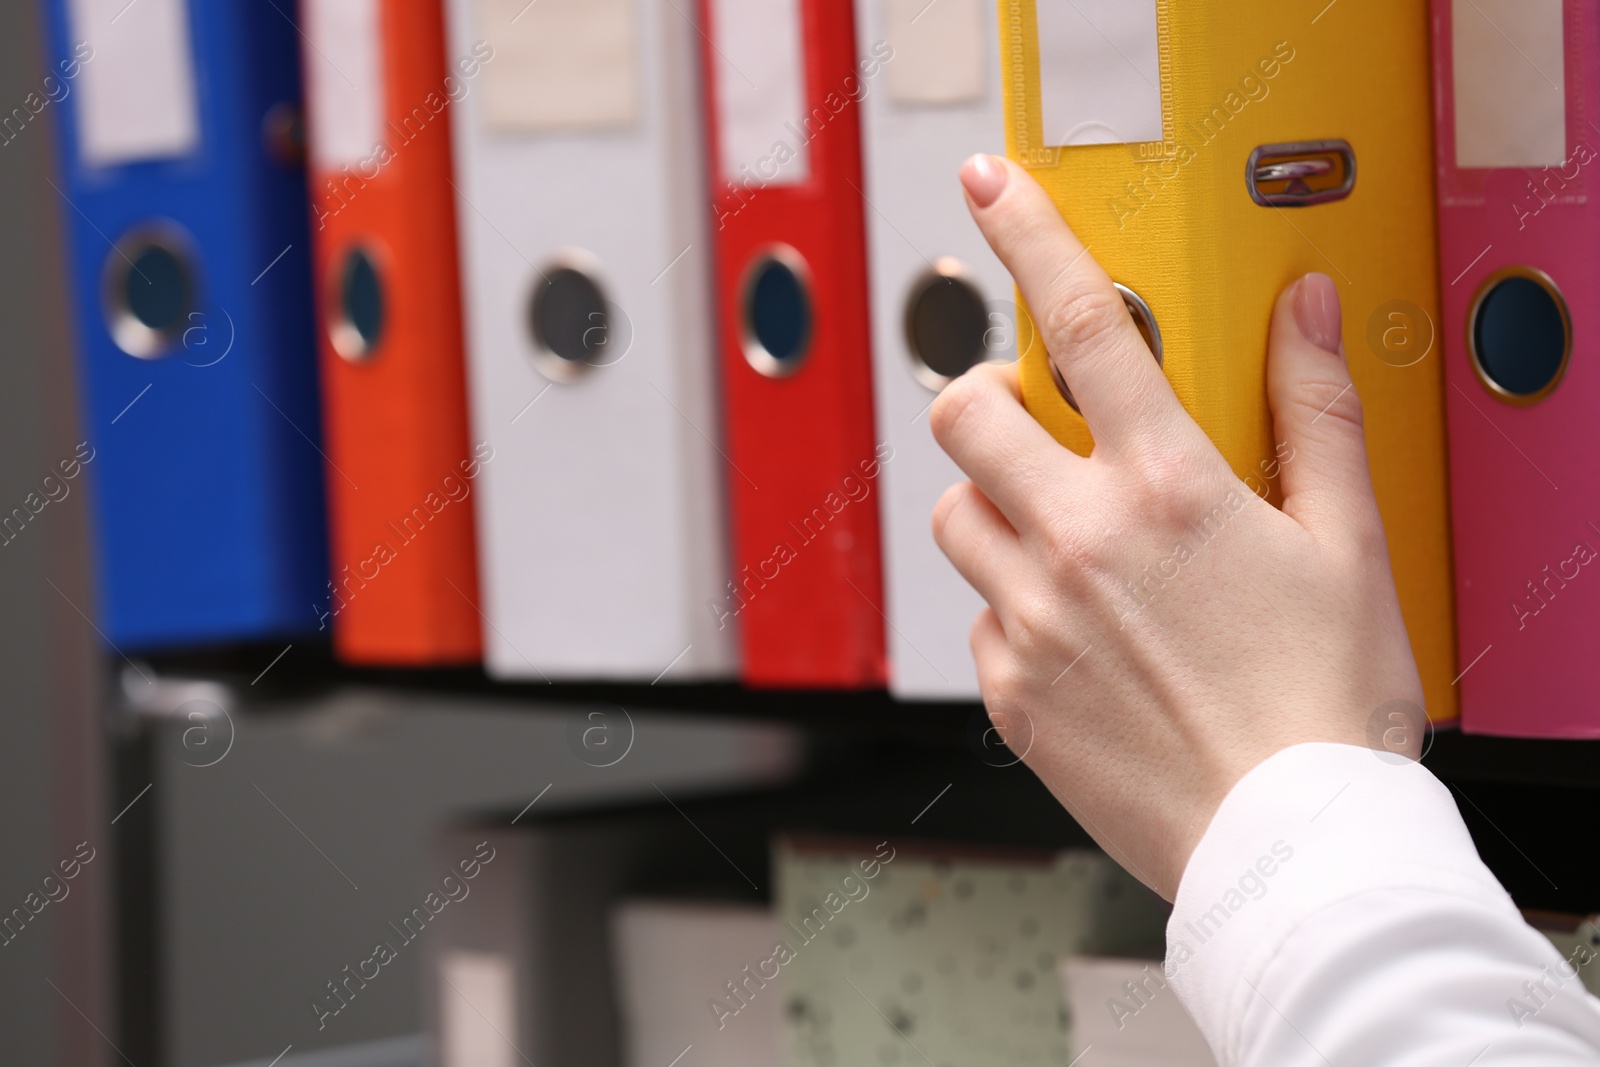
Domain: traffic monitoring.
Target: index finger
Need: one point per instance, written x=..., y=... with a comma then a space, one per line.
x=1081, y=316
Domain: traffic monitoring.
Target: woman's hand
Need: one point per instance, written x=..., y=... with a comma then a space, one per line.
x=1155, y=629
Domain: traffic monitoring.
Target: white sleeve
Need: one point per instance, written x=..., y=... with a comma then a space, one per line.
x=1336, y=912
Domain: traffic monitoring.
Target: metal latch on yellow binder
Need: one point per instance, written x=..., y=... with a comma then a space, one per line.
x=1301, y=174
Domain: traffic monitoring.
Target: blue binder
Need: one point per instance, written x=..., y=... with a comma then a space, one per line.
x=184, y=196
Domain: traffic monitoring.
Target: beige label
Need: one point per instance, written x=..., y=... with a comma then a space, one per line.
x=560, y=64
x=939, y=53
x=1510, y=83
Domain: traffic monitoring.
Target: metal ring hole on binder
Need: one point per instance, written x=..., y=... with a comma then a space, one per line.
x=1301, y=174
x=776, y=312
x=1519, y=334
x=360, y=310
x=946, y=324
x=570, y=319
x=148, y=289
x=1143, y=318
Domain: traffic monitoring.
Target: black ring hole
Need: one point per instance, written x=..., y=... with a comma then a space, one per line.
x=946, y=325
x=362, y=310
x=1520, y=336
x=778, y=313
x=158, y=290
x=569, y=316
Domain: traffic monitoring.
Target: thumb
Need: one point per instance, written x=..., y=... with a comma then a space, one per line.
x=1322, y=450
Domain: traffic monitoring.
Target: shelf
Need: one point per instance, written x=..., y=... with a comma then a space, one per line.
x=308, y=667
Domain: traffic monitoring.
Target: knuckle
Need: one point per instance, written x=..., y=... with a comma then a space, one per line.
x=986, y=373
x=989, y=379
x=1004, y=693
x=1344, y=563
x=998, y=675
x=954, y=407
x=1033, y=636
x=1081, y=319
x=985, y=623
x=1176, y=486
x=1364, y=533
x=949, y=502
x=1067, y=560
x=1032, y=620
x=1335, y=403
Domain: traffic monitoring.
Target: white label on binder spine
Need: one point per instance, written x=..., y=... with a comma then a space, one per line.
x=1510, y=83
x=560, y=64
x=138, y=85
x=761, y=92
x=477, y=1011
x=1099, y=71
x=939, y=51
x=344, y=76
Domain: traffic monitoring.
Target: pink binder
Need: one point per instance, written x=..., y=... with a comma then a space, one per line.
x=1519, y=234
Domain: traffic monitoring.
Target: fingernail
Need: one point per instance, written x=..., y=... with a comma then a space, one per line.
x=1316, y=312
x=984, y=178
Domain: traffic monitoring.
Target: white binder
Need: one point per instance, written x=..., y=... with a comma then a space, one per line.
x=586, y=258
x=933, y=104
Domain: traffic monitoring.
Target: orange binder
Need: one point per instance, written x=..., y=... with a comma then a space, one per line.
x=379, y=92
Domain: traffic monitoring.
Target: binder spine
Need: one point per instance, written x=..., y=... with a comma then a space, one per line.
x=1518, y=224
x=402, y=492
x=207, y=507
x=806, y=588
x=934, y=103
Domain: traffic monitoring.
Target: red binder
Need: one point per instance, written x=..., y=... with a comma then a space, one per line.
x=782, y=85
x=394, y=389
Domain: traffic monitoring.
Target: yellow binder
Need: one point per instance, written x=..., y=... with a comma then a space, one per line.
x=1209, y=152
